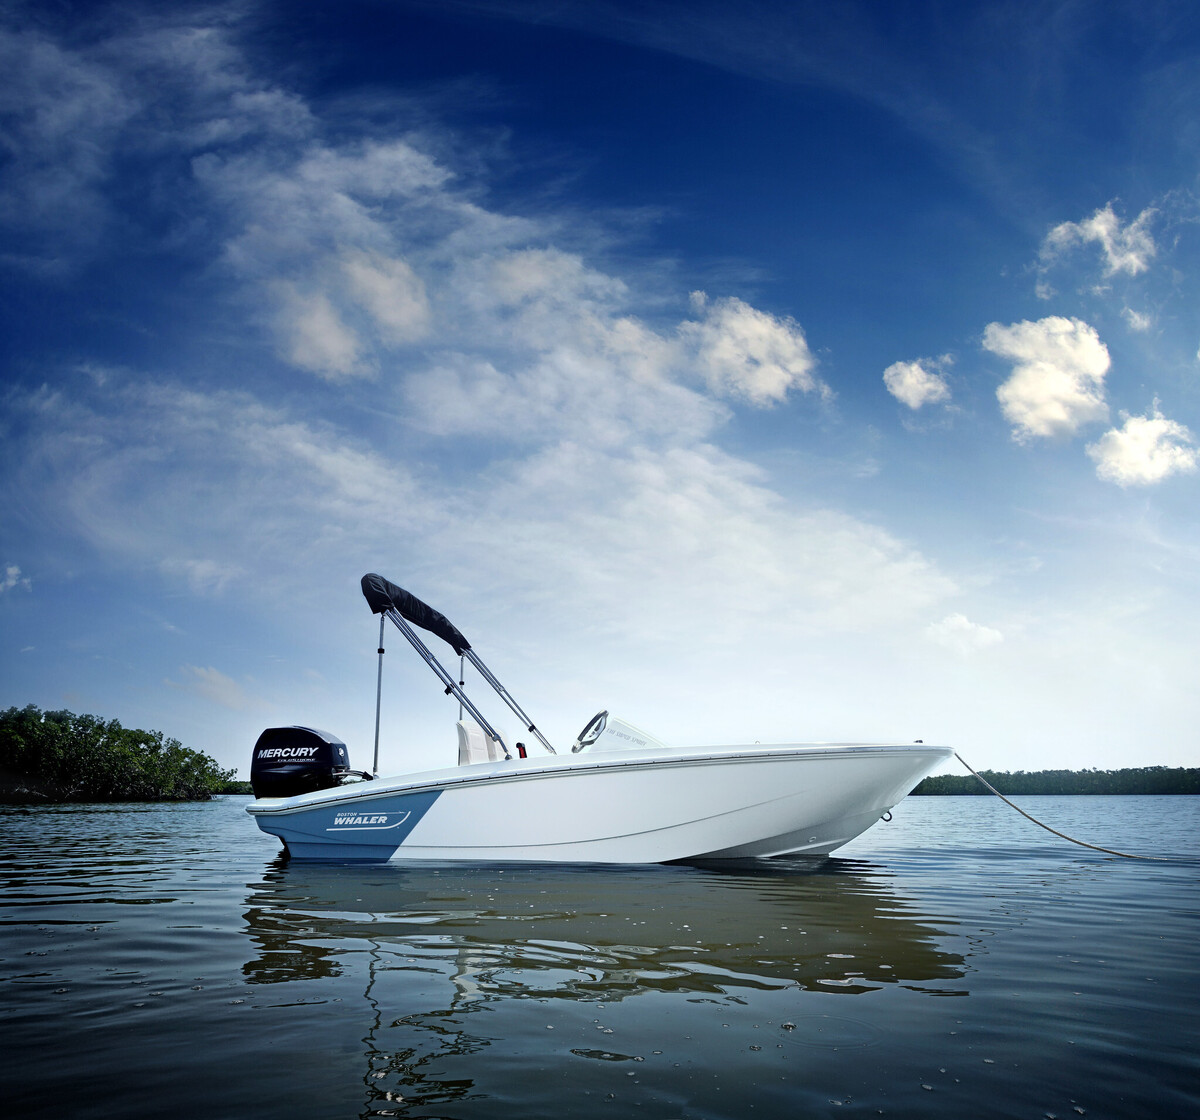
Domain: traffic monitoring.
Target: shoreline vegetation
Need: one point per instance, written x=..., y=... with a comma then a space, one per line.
x=1139, y=779
x=57, y=757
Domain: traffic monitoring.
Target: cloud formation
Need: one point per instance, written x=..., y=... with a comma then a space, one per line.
x=1128, y=249
x=748, y=354
x=513, y=415
x=11, y=577
x=1137, y=320
x=669, y=540
x=317, y=235
x=1057, y=382
x=216, y=687
x=1144, y=450
x=962, y=636
x=313, y=335
x=918, y=383
x=61, y=111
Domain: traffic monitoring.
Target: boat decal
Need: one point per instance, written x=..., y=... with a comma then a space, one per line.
x=373, y=827
x=367, y=822
x=286, y=752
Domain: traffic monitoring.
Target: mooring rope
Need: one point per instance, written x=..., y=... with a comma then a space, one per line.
x=1081, y=843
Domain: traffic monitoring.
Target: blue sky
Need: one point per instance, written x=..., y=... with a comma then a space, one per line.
x=771, y=371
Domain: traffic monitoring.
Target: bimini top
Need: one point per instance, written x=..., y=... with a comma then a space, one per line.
x=382, y=595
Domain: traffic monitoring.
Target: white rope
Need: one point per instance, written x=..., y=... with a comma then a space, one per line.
x=1081, y=843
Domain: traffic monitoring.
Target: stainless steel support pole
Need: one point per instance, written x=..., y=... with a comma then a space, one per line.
x=504, y=695
x=378, y=698
x=452, y=688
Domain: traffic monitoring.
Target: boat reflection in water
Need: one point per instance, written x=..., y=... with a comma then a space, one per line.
x=451, y=974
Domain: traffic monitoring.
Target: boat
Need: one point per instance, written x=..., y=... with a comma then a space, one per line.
x=617, y=796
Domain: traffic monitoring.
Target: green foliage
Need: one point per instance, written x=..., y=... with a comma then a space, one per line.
x=65, y=757
x=1140, y=779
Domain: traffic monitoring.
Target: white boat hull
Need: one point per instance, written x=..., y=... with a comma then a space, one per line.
x=654, y=806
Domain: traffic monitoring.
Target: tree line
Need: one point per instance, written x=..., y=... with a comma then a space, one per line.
x=60, y=756
x=1137, y=779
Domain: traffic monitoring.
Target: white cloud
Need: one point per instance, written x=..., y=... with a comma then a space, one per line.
x=957, y=633
x=541, y=277
x=580, y=393
x=301, y=208
x=558, y=356
x=11, y=577
x=574, y=364
x=215, y=686
x=748, y=354
x=1128, y=249
x=316, y=235
x=391, y=292
x=917, y=383
x=1057, y=383
x=1137, y=320
x=1144, y=450
x=313, y=335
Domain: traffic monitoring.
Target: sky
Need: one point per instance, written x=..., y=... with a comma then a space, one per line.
x=771, y=371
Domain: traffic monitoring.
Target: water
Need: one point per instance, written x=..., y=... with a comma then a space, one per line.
x=159, y=960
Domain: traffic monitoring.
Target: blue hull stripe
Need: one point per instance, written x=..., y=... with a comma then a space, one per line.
x=350, y=832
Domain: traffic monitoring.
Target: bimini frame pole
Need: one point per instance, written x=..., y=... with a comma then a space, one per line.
x=451, y=684
x=378, y=698
x=503, y=693
x=402, y=608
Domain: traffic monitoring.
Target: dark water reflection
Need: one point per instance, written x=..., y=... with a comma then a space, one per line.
x=586, y=933
x=155, y=960
x=440, y=951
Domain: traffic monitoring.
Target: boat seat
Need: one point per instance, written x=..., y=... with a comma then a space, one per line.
x=475, y=745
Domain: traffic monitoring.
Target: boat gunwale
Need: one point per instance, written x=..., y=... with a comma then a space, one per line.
x=564, y=766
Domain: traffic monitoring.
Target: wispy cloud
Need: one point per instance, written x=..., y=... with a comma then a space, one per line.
x=221, y=489
x=152, y=85
x=1127, y=248
x=962, y=636
x=216, y=487
x=62, y=112
x=313, y=335
x=1138, y=320
x=213, y=685
x=11, y=578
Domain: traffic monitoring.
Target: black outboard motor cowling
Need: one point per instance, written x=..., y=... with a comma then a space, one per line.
x=291, y=760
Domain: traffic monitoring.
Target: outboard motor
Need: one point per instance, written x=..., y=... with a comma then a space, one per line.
x=291, y=760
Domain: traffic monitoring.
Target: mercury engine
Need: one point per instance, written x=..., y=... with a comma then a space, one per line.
x=291, y=760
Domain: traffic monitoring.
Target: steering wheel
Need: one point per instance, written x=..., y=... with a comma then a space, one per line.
x=592, y=731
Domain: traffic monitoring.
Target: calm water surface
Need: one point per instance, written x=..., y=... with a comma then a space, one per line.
x=956, y=962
